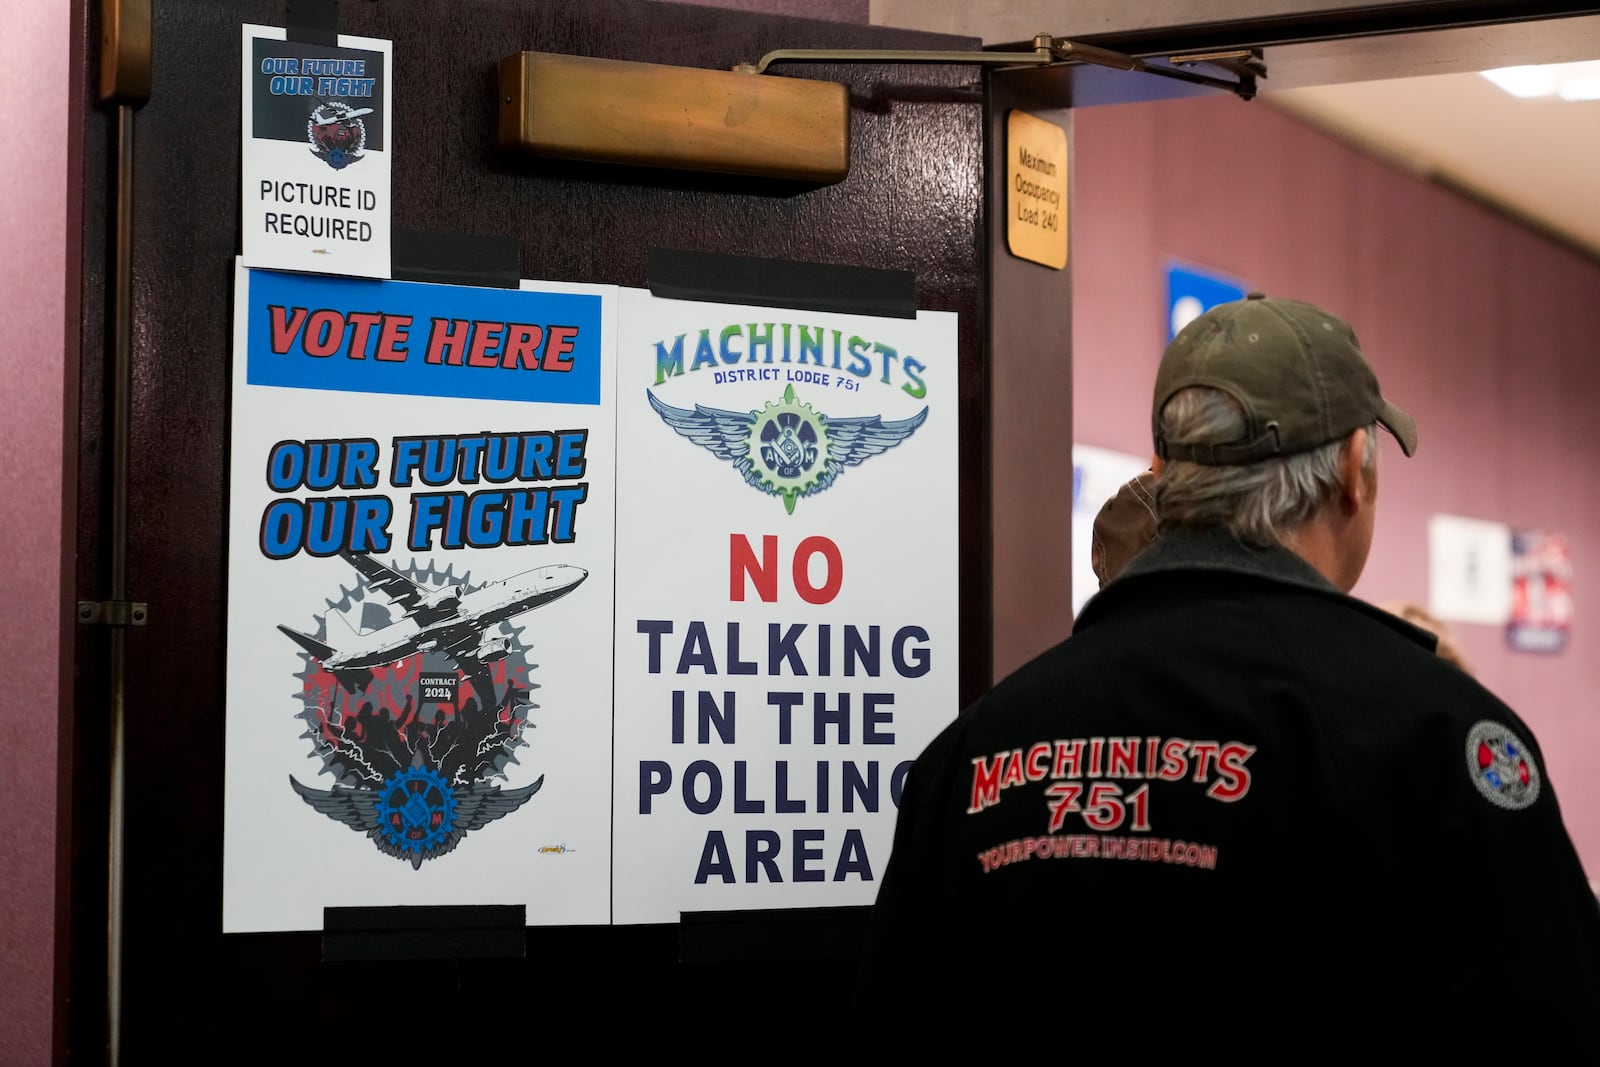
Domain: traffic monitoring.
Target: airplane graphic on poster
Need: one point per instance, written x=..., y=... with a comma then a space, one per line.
x=417, y=784
x=452, y=620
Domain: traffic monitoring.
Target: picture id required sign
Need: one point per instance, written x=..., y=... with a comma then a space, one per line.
x=315, y=153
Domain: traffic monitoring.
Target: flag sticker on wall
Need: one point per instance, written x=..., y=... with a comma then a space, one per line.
x=1541, y=592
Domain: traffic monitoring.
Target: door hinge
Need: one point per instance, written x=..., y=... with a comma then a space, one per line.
x=113, y=612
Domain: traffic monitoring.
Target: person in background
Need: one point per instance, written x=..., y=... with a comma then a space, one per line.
x=1124, y=526
x=1239, y=812
x=1449, y=650
x=1419, y=617
x=1127, y=525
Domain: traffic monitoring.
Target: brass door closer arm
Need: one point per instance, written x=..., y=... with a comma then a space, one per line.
x=1046, y=50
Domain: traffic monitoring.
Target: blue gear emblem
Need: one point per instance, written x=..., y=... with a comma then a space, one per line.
x=416, y=810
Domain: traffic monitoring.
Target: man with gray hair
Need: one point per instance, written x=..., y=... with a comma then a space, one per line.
x=1237, y=801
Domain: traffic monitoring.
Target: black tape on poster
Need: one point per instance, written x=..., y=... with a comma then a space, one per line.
x=778, y=934
x=441, y=932
x=312, y=22
x=455, y=259
x=682, y=275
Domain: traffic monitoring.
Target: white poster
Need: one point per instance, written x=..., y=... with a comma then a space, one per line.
x=1469, y=570
x=420, y=616
x=787, y=562
x=317, y=127
x=1097, y=474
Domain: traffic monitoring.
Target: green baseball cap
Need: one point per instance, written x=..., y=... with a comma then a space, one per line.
x=1296, y=370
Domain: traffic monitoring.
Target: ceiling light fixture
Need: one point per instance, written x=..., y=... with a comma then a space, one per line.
x=1569, y=81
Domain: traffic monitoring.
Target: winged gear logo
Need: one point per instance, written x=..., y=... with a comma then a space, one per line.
x=418, y=717
x=787, y=449
x=338, y=136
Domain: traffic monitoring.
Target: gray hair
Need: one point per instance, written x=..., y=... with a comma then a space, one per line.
x=1258, y=502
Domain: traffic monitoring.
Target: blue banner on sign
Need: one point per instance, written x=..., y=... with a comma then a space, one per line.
x=415, y=339
x=1192, y=291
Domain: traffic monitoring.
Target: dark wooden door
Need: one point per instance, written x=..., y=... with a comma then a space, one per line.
x=913, y=201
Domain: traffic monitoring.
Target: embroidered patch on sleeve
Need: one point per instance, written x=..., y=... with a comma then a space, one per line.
x=1501, y=766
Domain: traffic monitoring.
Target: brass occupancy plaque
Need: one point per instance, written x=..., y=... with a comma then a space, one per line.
x=1036, y=189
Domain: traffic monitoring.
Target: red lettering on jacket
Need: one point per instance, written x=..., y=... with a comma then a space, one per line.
x=1174, y=759
x=1233, y=780
x=985, y=783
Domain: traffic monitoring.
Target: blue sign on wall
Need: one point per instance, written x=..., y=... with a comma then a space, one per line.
x=1192, y=291
x=310, y=331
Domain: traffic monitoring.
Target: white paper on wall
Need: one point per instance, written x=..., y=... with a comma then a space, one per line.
x=1469, y=569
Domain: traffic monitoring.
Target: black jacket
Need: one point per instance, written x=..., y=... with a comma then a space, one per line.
x=1235, y=802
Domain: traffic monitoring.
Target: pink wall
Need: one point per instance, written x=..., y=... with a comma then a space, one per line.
x=1482, y=330
x=34, y=115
